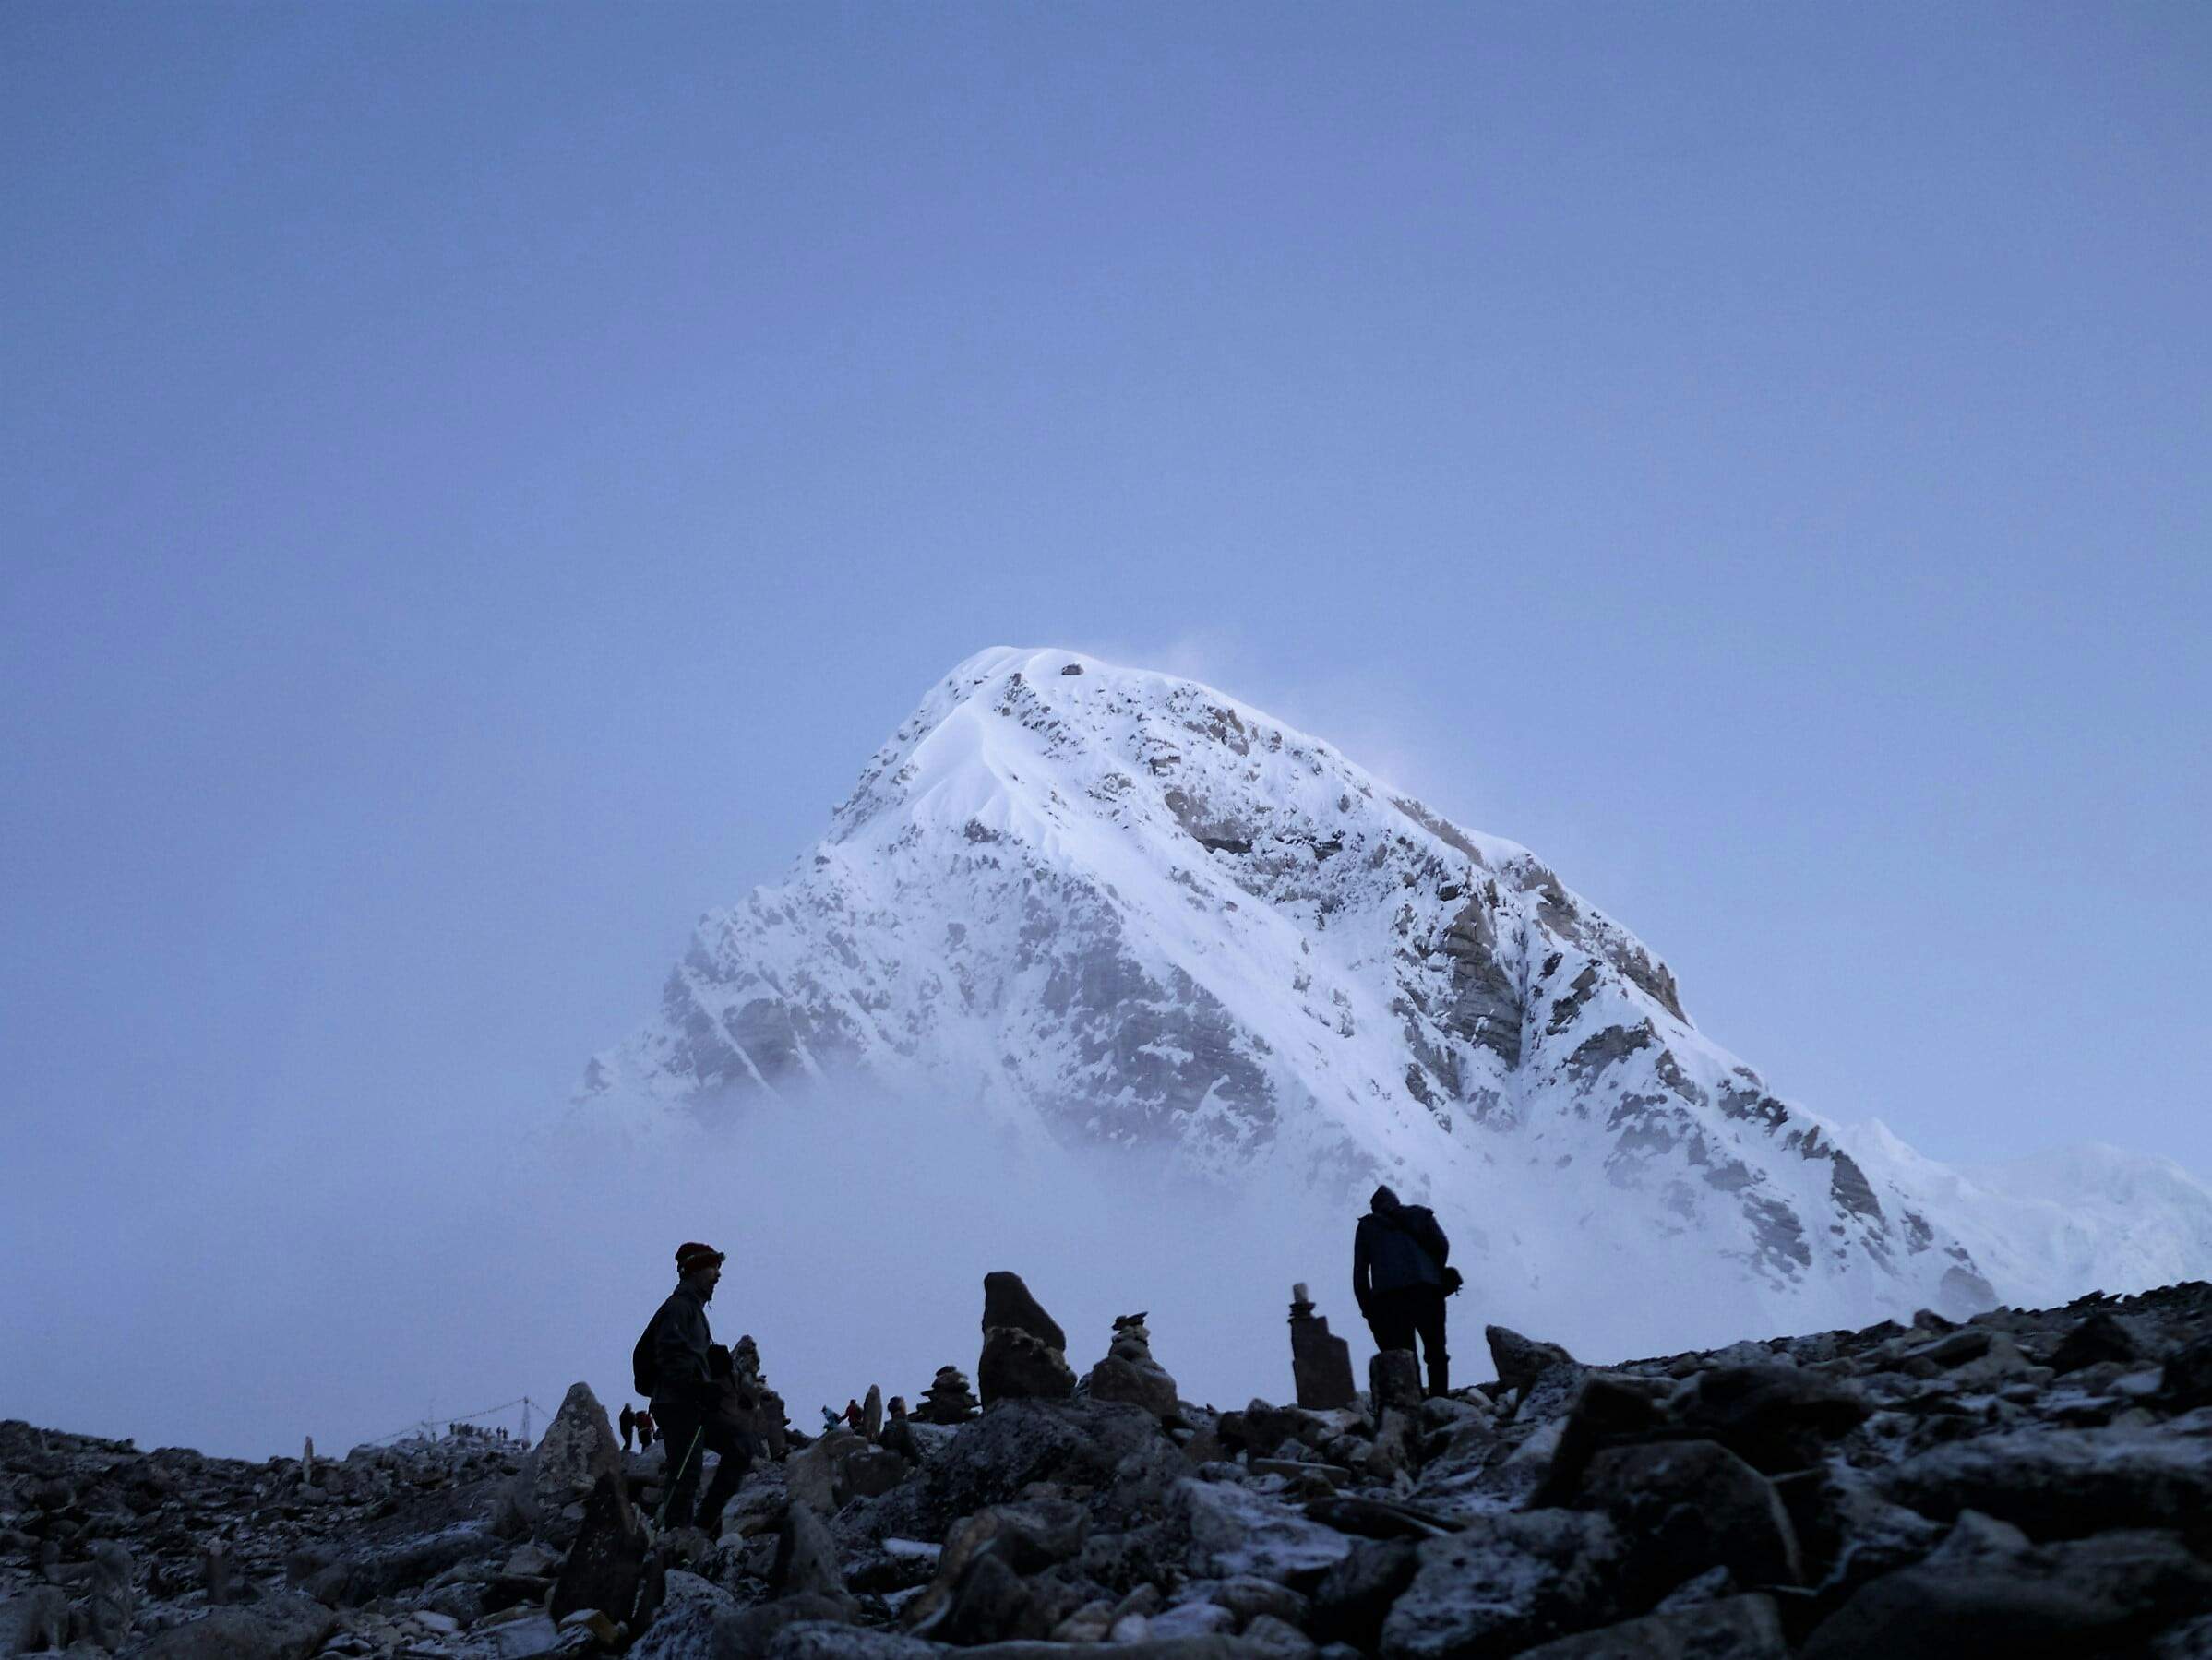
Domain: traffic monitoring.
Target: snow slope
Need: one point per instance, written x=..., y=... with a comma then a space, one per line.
x=1117, y=908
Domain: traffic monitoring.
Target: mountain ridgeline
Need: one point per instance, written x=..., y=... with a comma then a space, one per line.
x=1120, y=909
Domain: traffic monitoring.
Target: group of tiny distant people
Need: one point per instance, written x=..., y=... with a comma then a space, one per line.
x=1401, y=1275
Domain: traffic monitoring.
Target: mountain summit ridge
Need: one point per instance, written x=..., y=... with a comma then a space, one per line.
x=1119, y=908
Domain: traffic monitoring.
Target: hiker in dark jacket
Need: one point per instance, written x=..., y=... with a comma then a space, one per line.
x=1400, y=1279
x=690, y=1377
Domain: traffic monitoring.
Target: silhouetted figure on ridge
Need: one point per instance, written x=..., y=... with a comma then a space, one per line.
x=1400, y=1279
x=688, y=1378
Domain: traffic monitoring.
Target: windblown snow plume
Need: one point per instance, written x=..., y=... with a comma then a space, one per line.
x=1095, y=907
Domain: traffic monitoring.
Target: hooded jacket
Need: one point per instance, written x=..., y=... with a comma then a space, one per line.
x=1396, y=1245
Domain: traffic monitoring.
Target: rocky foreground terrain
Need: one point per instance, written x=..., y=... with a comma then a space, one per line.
x=2025, y=1483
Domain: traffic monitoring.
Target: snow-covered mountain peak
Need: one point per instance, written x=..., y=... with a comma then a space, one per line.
x=1122, y=909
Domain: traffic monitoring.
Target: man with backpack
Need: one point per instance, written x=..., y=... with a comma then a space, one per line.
x=1400, y=1277
x=678, y=1366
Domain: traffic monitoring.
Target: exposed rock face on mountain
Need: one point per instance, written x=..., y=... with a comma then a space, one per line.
x=1121, y=909
x=2022, y=1482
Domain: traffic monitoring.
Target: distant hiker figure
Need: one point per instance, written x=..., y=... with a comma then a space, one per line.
x=629, y=1426
x=1400, y=1279
x=645, y=1431
x=677, y=1366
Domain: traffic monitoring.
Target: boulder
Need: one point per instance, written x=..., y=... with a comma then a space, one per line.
x=1689, y=1506
x=1017, y=1443
x=2186, y=1381
x=2059, y=1484
x=824, y=1640
x=691, y=1623
x=578, y=1448
x=1735, y=1628
x=1233, y=1531
x=873, y=1471
x=1607, y=1408
x=1018, y=1366
x=1394, y=1379
x=1518, y=1359
x=366, y=1575
x=1987, y=1590
x=1140, y=1385
x=1773, y=1417
x=991, y=1602
x=1506, y=1584
x=606, y=1564
x=2100, y=1338
x=287, y=1626
x=1353, y=1597
x=806, y=1562
x=815, y=1475
x=1007, y=1302
x=1027, y=1538
x=750, y=1633
x=36, y=1619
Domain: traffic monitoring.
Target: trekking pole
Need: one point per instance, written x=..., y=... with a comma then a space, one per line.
x=661, y=1517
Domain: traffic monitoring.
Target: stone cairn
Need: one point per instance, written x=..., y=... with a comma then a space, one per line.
x=1024, y=1351
x=948, y=1400
x=1129, y=1373
x=768, y=1415
x=1320, y=1364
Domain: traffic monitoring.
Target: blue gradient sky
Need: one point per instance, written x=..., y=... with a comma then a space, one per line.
x=478, y=482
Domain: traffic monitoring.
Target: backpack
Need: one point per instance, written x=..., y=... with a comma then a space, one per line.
x=643, y=1372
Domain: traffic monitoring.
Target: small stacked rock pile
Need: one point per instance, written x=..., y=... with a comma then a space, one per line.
x=1129, y=1373
x=948, y=1400
x=2027, y=1482
x=767, y=1419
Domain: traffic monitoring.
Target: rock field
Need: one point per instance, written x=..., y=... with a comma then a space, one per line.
x=2025, y=1483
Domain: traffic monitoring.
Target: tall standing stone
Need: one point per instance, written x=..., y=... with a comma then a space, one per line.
x=871, y=1413
x=1321, y=1365
x=1006, y=1302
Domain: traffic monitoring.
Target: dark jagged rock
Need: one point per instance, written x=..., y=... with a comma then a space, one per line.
x=1607, y=1409
x=606, y=1564
x=2098, y=1338
x=1987, y=1590
x=2186, y=1383
x=280, y=1628
x=2063, y=1483
x=1017, y=1366
x=1735, y=1628
x=1353, y=1598
x=1520, y=1360
x=1773, y=1417
x=1689, y=1506
x=806, y=1560
x=1506, y=1584
x=1006, y=1302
